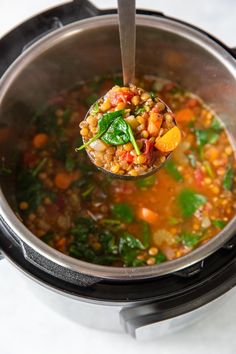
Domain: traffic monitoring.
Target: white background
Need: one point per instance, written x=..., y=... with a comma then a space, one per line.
x=29, y=327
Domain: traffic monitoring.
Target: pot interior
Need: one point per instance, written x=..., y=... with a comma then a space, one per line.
x=91, y=48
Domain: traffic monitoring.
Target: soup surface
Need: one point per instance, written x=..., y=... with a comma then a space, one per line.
x=66, y=202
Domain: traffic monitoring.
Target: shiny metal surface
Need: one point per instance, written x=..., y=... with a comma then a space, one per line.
x=126, y=11
x=178, y=323
x=91, y=47
x=110, y=318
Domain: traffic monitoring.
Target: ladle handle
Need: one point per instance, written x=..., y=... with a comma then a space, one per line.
x=126, y=11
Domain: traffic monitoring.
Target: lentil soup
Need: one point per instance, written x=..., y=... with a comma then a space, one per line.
x=66, y=202
x=129, y=131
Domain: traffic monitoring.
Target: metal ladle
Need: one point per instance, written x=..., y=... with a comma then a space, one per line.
x=127, y=30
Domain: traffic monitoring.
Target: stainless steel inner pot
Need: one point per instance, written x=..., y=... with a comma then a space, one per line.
x=87, y=48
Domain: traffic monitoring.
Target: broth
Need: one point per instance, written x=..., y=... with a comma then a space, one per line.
x=81, y=212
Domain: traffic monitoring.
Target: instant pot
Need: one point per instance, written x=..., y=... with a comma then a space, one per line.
x=75, y=42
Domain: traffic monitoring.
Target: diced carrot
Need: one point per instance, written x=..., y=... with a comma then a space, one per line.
x=148, y=215
x=169, y=141
x=63, y=180
x=212, y=153
x=40, y=140
x=154, y=124
x=61, y=242
x=184, y=115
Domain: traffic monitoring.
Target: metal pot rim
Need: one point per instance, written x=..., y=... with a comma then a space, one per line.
x=105, y=272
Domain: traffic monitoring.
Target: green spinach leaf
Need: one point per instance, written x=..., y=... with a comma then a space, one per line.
x=128, y=241
x=206, y=136
x=117, y=133
x=189, y=201
x=129, y=257
x=220, y=224
x=228, y=178
x=103, y=124
x=138, y=262
x=108, y=241
x=120, y=133
x=123, y=212
x=189, y=239
x=83, y=252
x=83, y=227
x=160, y=257
x=30, y=190
x=146, y=234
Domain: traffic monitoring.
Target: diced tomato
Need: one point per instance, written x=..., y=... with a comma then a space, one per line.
x=148, y=149
x=120, y=96
x=199, y=176
x=128, y=157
